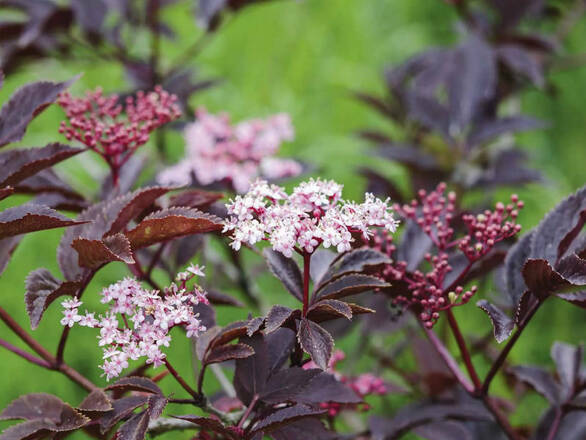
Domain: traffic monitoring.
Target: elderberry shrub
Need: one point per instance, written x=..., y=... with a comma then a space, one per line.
x=367, y=267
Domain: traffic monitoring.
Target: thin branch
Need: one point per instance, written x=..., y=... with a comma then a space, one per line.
x=181, y=381
x=25, y=355
x=23, y=334
x=555, y=426
x=463, y=350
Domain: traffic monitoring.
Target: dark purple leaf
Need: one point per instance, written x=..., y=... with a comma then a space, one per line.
x=328, y=309
x=254, y=325
x=320, y=262
x=324, y=387
x=421, y=414
x=444, y=431
x=542, y=280
x=512, y=12
x=410, y=156
x=195, y=198
x=208, y=11
x=381, y=186
x=96, y=401
x=25, y=104
x=5, y=192
x=42, y=288
x=501, y=323
x=514, y=262
x=508, y=167
x=211, y=425
x=19, y=164
x=354, y=261
x=222, y=299
x=278, y=316
x=540, y=380
x=287, y=385
x=473, y=84
x=430, y=113
x=527, y=303
x=348, y=285
x=122, y=408
x=577, y=298
x=31, y=217
x=570, y=238
x=156, y=404
x=90, y=15
x=60, y=202
x=492, y=128
x=135, y=428
x=308, y=428
x=93, y=254
x=202, y=343
x=232, y=331
x=135, y=383
x=7, y=248
x=284, y=416
x=316, y=342
x=46, y=181
x=43, y=412
x=171, y=223
x=556, y=225
x=414, y=245
x=227, y=352
x=378, y=104
x=568, y=360
x=523, y=62
x=286, y=270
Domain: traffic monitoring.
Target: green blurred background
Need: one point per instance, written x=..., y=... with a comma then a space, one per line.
x=304, y=58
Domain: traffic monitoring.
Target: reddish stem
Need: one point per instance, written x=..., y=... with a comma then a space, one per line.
x=248, y=411
x=306, y=276
x=464, y=350
x=179, y=379
x=25, y=355
x=28, y=339
x=555, y=426
x=200, y=379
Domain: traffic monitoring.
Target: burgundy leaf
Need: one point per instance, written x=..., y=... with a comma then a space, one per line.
x=202, y=343
x=320, y=263
x=502, y=325
x=541, y=279
x=96, y=401
x=277, y=317
x=328, y=309
x=286, y=385
x=444, y=431
x=348, y=285
x=156, y=404
x=540, y=380
x=569, y=238
x=135, y=383
x=307, y=428
x=315, y=341
x=523, y=62
x=556, y=226
x=324, y=387
x=286, y=270
x=135, y=428
x=229, y=333
x=171, y=223
x=108, y=218
x=412, y=157
x=254, y=325
x=211, y=425
x=93, y=254
x=46, y=181
x=43, y=412
x=90, y=15
x=577, y=298
x=122, y=408
x=5, y=192
x=7, y=248
x=568, y=360
x=354, y=261
x=42, y=288
x=218, y=298
x=514, y=262
x=526, y=304
x=31, y=217
x=195, y=198
x=223, y=353
x=284, y=416
x=492, y=128
x=20, y=163
x=414, y=245
x=25, y=104
x=61, y=202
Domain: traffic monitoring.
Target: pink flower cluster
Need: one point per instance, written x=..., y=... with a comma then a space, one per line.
x=218, y=151
x=363, y=385
x=114, y=130
x=433, y=213
x=314, y=214
x=152, y=314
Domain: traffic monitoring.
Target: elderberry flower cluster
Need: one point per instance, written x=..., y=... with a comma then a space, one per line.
x=363, y=385
x=138, y=321
x=429, y=292
x=237, y=154
x=313, y=215
x=114, y=129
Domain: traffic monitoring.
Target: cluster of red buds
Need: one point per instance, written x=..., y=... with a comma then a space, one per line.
x=114, y=129
x=427, y=291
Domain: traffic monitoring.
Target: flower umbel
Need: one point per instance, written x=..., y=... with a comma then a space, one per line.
x=237, y=154
x=114, y=129
x=139, y=320
x=314, y=214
